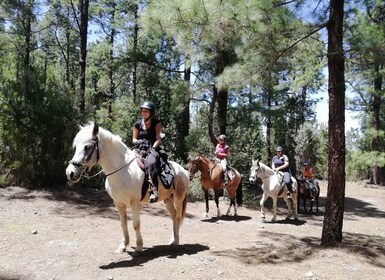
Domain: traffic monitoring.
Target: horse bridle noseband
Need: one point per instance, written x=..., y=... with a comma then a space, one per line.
x=95, y=147
x=88, y=157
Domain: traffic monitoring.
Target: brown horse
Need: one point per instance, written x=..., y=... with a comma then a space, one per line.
x=212, y=178
x=304, y=193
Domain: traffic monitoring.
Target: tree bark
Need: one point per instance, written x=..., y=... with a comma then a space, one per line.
x=376, y=108
x=83, y=30
x=134, y=58
x=334, y=209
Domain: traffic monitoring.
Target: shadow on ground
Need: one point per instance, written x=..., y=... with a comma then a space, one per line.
x=275, y=248
x=148, y=254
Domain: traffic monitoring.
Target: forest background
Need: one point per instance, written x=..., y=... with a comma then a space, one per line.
x=252, y=70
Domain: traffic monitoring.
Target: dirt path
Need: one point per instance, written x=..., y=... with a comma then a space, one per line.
x=73, y=234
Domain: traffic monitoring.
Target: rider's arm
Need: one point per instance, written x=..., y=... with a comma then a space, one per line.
x=158, y=139
x=135, y=135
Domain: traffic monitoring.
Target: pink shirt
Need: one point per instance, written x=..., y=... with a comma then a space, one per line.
x=221, y=149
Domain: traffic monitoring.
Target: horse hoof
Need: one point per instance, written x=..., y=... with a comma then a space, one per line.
x=136, y=253
x=120, y=250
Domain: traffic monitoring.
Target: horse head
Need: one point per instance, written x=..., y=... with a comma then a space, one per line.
x=193, y=166
x=86, y=144
x=255, y=167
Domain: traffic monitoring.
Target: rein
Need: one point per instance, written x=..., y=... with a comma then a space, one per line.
x=101, y=171
x=89, y=156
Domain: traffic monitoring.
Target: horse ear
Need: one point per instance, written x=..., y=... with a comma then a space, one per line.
x=95, y=131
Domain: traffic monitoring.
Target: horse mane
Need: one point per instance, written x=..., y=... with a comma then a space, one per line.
x=86, y=132
x=266, y=167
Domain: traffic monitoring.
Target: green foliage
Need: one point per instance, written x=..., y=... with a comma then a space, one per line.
x=310, y=146
x=359, y=164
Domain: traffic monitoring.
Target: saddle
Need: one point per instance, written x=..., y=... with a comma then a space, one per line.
x=283, y=185
x=166, y=172
x=229, y=170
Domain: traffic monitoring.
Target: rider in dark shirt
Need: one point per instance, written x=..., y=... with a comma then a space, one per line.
x=149, y=128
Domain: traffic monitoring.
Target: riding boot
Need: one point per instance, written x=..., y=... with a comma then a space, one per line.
x=153, y=195
x=153, y=191
x=289, y=190
x=225, y=178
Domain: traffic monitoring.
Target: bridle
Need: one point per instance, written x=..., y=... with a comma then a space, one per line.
x=256, y=173
x=87, y=158
x=194, y=166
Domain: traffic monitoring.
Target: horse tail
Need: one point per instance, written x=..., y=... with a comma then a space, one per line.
x=239, y=194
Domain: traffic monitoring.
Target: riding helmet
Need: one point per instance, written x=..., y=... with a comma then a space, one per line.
x=149, y=106
x=222, y=137
x=279, y=149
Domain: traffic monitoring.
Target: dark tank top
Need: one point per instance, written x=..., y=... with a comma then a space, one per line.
x=148, y=134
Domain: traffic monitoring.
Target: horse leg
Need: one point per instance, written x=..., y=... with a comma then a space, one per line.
x=169, y=202
x=216, y=198
x=232, y=203
x=295, y=205
x=206, y=214
x=275, y=208
x=122, y=210
x=231, y=194
x=135, y=211
x=262, y=203
x=288, y=203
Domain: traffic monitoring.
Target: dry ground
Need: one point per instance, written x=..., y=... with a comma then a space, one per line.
x=73, y=234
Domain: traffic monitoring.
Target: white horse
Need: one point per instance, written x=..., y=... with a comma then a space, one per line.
x=273, y=187
x=94, y=145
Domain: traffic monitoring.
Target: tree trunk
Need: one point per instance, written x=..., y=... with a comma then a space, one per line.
x=134, y=60
x=334, y=209
x=185, y=122
x=222, y=60
x=111, y=67
x=376, y=109
x=210, y=121
x=269, y=154
x=83, y=30
x=27, y=18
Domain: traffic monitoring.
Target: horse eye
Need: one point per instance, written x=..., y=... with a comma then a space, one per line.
x=87, y=147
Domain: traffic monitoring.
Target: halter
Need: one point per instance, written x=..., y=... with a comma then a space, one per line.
x=95, y=147
x=259, y=170
x=194, y=163
x=88, y=157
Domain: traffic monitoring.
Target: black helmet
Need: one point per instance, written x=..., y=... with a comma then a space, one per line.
x=149, y=106
x=279, y=149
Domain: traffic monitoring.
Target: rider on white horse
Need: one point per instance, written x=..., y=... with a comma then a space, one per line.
x=149, y=128
x=280, y=162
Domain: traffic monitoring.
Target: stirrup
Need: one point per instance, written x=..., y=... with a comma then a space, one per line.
x=288, y=195
x=153, y=196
